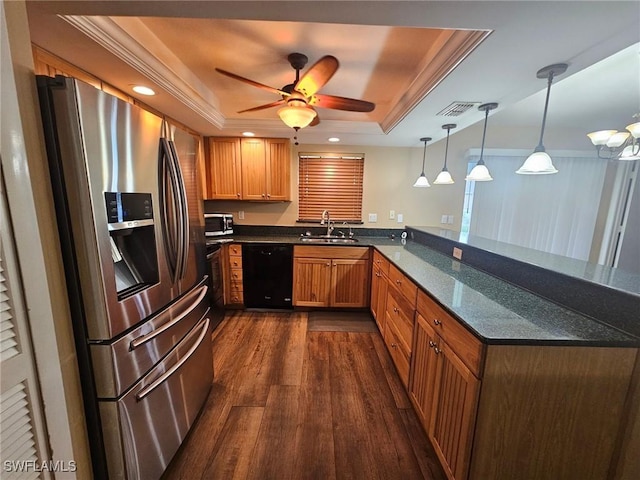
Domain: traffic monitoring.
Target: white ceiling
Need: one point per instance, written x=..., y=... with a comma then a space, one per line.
x=383, y=46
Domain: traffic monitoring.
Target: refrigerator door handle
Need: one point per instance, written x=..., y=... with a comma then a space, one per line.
x=142, y=339
x=183, y=244
x=165, y=376
x=171, y=222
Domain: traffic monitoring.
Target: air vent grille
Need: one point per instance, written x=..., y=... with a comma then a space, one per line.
x=457, y=108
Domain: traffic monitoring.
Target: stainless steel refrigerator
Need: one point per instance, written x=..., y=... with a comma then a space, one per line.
x=131, y=228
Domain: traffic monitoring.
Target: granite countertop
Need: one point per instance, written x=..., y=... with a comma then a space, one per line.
x=497, y=312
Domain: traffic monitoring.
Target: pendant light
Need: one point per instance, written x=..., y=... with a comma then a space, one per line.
x=444, y=177
x=422, y=179
x=539, y=162
x=480, y=173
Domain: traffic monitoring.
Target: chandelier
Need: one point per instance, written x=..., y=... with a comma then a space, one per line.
x=612, y=144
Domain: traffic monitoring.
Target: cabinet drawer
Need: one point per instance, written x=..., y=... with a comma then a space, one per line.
x=235, y=261
x=397, y=350
x=465, y=345
x=236, y=276
x=403, y=284
x=235, y=250
x=354, y=253
x=400, y=313
x=381, y=262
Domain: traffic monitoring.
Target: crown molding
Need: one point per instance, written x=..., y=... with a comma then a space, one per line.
x=444, y=56
x=113, y=37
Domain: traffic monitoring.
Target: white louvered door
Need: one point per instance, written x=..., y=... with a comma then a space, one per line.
x=22, y=435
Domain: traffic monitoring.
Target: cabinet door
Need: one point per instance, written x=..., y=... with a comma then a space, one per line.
x=378, y=297
x=223, y=172
x=311, y=282
x=349, y=283
x=254, y=180
x=454, y=411
x=424, y=371
x=278, y=163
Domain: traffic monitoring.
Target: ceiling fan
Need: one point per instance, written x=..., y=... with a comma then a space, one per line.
x=299, y=97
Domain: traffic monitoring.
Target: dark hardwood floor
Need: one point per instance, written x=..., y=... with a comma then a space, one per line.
x=288, y=403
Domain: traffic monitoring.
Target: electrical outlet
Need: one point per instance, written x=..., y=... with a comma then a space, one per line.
x=241, y=215
x=373, y=217
x=457, y=253
x=443, y=219
x=392, y=214
x=400, y=218
x=449, y=219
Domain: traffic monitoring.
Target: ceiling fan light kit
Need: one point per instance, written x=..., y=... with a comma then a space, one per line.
x=299, y=97
x=444, y=177
x=612, y=144
x=539, y=162
x=422, y=181
x=480, y=172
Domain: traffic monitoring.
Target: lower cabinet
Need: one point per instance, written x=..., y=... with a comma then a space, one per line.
x=379, y=285
x=445, y=394
x=330, y=276
x=232, y=275
x=399, y=311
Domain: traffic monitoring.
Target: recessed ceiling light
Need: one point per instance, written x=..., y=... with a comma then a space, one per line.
x=142, y=90
x=333, y=139
x=248, y=134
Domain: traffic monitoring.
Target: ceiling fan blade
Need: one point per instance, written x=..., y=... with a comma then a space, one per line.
x=341, y=103
x=317, y=75
x=252, y=82
x=315, y=121
x=262, y=107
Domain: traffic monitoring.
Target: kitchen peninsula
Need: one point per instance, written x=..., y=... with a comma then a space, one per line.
x=507, y=384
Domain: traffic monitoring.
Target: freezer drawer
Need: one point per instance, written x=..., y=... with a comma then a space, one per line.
x=144, y=429
x=119, y=364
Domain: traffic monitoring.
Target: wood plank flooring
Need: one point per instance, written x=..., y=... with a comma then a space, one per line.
x=288, y=403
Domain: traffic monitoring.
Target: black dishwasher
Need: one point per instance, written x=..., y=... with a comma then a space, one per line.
x=267, y=273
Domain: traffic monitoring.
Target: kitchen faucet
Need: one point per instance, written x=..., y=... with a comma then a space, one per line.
x=327, y=217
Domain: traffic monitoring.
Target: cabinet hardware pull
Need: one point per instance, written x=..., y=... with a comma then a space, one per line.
x=437, y=350
x=437, y=322
x=431, y=344
x=268, y=195
x=398, y=282
x=328, y=264
x=238, y=194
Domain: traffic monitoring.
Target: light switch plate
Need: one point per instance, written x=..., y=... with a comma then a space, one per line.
x=400, y=218
x=241, y=215
x=373, y=217
x=449, y=219
x=392, y=214
x=443, y=219
x=457, y=253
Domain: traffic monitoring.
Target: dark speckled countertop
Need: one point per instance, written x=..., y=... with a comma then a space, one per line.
x=495, y=311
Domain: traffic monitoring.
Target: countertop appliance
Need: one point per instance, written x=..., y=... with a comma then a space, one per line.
x=267, y=275
x=218, y=224
x=132, y=237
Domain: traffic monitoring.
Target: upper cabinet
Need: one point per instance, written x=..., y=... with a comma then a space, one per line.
x=249, y=169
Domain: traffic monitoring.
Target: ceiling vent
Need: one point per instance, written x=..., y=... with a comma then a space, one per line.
x=457, y=108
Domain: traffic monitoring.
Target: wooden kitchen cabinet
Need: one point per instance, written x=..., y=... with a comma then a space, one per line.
x=399, y=311
x=330, y=276
x=379, y=283
x=232, y=275
x=223, y=168
x=249, y=169
x=445, y=393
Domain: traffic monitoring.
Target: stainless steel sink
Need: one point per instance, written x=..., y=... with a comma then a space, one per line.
x=328, y=239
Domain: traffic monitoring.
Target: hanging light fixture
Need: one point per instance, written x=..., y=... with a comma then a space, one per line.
x=444, y=177
x=611, y=144
x=480, y=173
x=422, y=179
x=296, y=117
x=539, y=162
